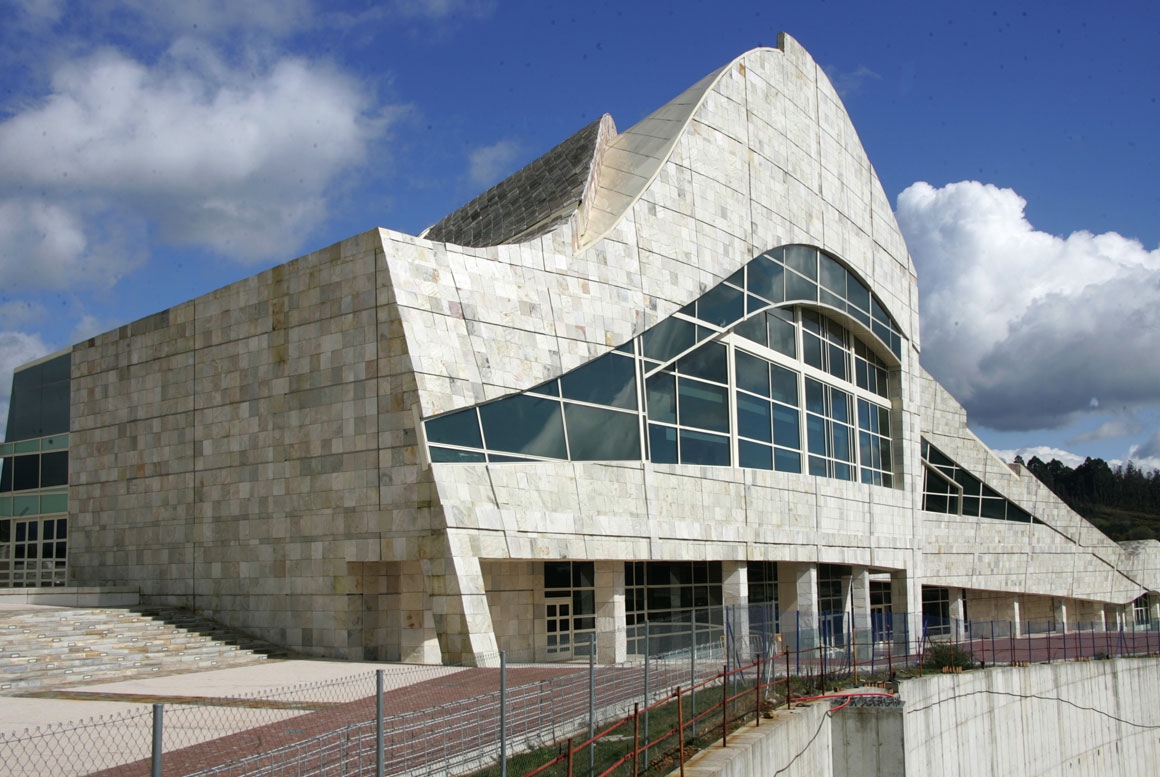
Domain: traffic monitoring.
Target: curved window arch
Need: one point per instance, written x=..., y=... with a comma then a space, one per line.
x=782, y=366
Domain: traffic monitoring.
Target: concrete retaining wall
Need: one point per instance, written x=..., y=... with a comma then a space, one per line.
x=797, y=741
x=1097, y=718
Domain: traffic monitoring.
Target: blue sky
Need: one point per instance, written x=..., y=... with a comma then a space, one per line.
x=151, y=152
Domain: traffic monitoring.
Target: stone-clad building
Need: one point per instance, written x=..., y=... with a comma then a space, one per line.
x=653, y=372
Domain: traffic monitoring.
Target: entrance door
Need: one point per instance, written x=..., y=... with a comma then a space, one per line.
x=570, y=608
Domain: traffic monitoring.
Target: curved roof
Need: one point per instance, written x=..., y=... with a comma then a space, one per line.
x=531, y=201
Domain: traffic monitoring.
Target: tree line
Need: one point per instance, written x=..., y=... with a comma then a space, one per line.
x=1122, y=501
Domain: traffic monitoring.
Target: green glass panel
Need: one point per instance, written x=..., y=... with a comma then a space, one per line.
x=460, y=428
x=54, y=503
x=27, y=446
x=56, y=443
x=595, y=434
x=447, y=455
x=25, y=505
x=608, y=380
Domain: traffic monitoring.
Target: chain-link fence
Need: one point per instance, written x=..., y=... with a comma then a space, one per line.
x=412, y=720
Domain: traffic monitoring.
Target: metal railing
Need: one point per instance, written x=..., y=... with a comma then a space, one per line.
x=413, y=720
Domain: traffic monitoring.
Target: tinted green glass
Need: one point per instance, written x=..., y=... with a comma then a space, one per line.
x=662, y=397
x=521, y=424
x=802, y=259
x=609, y=380
x=721, y=305
x=461, y=428
x=833, y=275
x=782, y=336
x=662, y=444
x=440, y=455
x=798, y=288
x=766, y=279
x=705, y=449
x=754, y=418
x=752, y=373
x=754, y=456
x=702, y=405
x=786, y=427
x=595, y=434
x=54, y=503
x=709, y=362
x=668, y=338
x=785, y=385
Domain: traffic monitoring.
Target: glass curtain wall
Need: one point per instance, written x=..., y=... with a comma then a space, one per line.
x=743, y=376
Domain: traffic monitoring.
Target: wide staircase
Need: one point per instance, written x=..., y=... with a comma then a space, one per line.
x=51, y=648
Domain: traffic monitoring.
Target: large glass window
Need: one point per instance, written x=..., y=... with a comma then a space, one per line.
x=739, y=377
x=949, y=488
x=679, y=600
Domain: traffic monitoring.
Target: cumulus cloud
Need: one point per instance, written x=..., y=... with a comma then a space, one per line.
x=488, y=164
x=1150, y=449
x=443, y=9
x=1028, y=330
x=276, y=17
x=1044, y=452
x=16, y=348
x=237, y=158
x=847, y=82
x=1109, y=430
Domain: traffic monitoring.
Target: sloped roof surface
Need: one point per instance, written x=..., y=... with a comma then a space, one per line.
x=529, y=202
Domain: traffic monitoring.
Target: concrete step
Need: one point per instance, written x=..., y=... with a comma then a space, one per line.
x=74, y=646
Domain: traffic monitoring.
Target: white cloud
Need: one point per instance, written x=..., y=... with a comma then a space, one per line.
x=489, y=164
x=42, y=11
x=16, y=348
x=275, y=17
x=1109, y=430
x=19, y=312
x=89, y=326
x=846, y=83
x=1027, y=328
x=1044, y=452
x=437, y=10
x=237, y=158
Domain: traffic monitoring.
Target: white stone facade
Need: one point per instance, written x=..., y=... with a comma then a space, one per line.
x=259, y=453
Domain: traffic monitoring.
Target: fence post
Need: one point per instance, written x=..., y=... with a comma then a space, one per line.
x=725, y=706
x=788, y=692
x=158, y=733
x=681, y=730
x=380, y=755
x=797, y=636
x=592, y=708
x=757, y=690
x=635, y=738
x=569, y=769
x=693, y=682
x=646, y=701
x=503, y=718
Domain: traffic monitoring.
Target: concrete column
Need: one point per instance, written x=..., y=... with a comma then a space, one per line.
x=958, y=614
x=611, y=637
x=1015, y=616
x=459, y=607
x=1153, y=609
x=858, y=594
x=797, y=594
x=1059, y=613
x=734, y=588
x=906, y=604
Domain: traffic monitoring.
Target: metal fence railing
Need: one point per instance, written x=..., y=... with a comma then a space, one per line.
x=415, y=720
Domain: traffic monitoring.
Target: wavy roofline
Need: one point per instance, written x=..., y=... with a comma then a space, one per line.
x=610, y=205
